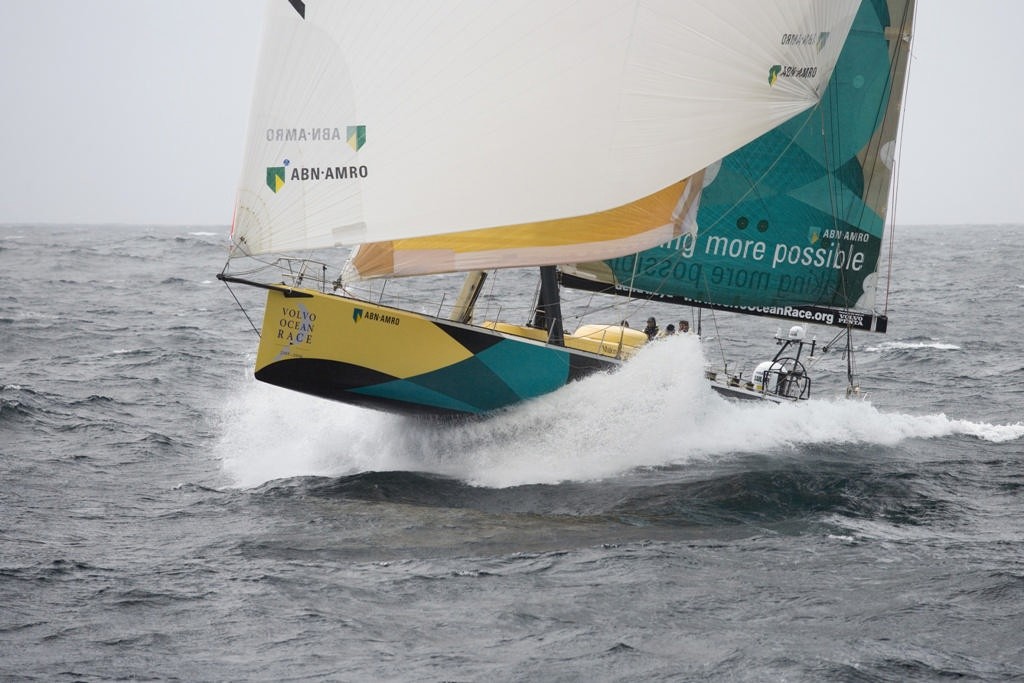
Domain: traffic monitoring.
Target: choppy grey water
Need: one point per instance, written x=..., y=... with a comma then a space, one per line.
x=165, y=517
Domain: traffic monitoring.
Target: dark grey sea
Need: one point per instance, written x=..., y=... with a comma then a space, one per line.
x=165, y=517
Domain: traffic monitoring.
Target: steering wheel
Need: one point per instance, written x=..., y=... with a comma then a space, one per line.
x=792, y=381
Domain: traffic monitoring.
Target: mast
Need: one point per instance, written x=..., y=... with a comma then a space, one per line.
x=548, y=312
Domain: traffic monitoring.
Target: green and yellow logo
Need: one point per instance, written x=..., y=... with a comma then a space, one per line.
x=789, y=71
x=356, y=137
x=357, y=314
x=275, y=177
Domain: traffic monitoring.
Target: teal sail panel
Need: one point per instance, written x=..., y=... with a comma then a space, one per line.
x=791, y=224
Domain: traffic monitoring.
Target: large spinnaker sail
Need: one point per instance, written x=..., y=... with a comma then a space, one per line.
x=387, y=121
x=791, y=224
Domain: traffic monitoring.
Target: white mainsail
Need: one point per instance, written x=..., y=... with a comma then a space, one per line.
x=386, y=120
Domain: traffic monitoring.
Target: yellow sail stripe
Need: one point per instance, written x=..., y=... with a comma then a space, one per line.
x=605, y=234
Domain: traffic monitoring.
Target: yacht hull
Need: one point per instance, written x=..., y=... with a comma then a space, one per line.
x=400, y=361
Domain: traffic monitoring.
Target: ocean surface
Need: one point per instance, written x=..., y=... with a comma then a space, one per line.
x=165, y=517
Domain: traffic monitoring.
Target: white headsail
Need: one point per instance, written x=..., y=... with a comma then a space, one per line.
x=385, y=120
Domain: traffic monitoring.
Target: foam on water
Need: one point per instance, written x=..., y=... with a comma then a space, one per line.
x=903, y=346
x=656, y=411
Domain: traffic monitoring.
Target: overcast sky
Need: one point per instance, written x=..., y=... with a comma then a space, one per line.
x=134, y=111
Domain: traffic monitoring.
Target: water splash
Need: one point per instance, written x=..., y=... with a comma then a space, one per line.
x=912, y=346
x=656, y=411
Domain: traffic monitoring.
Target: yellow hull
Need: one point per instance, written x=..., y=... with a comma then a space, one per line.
x=391, y=359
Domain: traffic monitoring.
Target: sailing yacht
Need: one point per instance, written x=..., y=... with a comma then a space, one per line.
x=728, y=155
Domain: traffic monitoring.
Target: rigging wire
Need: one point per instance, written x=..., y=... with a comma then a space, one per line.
x=909, y=16
x=832, y=130
x=835, y=191
x=242, y=308
x=718, y=341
